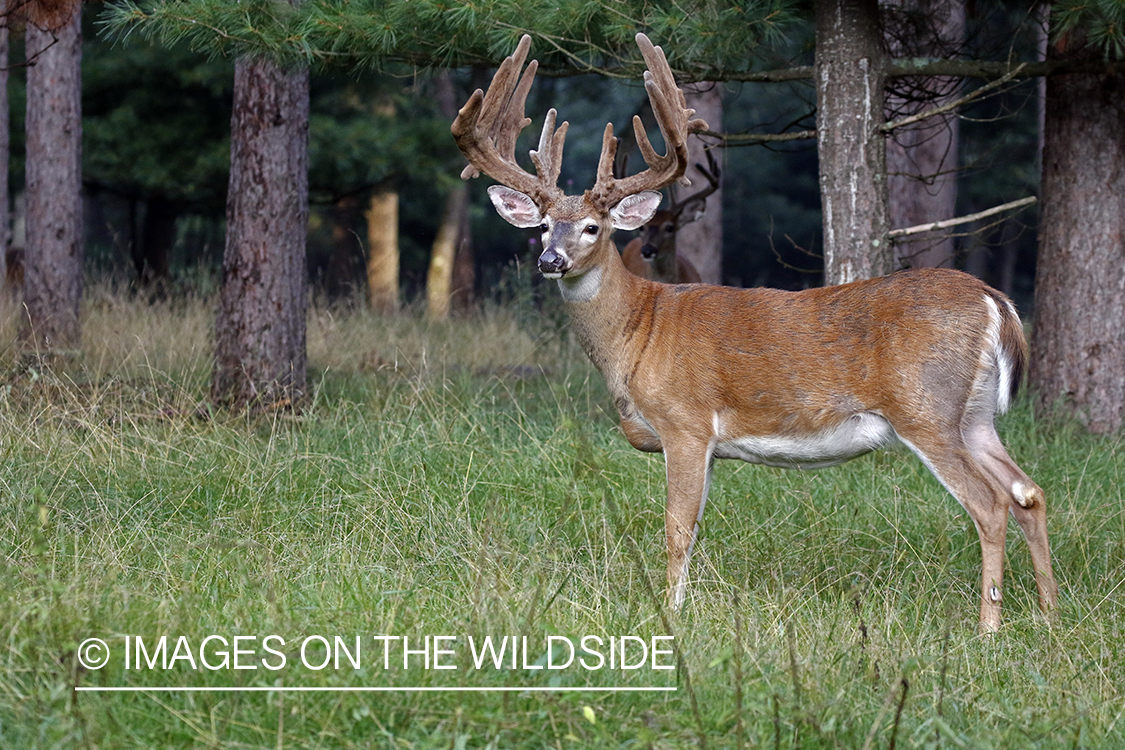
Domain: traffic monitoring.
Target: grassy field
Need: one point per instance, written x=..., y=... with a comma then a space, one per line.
x=467, y=479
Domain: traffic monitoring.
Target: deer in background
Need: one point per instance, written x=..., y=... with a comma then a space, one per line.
x=795, y=379
x=653, y=255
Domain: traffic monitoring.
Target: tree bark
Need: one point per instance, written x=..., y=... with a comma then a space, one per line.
x=851, y=150
x=464, y=266
x=922, y=157
x=53, y=256
x=1078, y=340
x=5, y=145
x=382, y=252
x=701, y=242
x=443, y=254
x=260, y=350
x=451, y=254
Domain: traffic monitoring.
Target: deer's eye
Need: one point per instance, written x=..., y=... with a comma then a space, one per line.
x=544, y=228
x=591, y=229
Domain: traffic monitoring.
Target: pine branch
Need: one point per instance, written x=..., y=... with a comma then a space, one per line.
x=573, y=36
x=1101, y=21
x=706, y=40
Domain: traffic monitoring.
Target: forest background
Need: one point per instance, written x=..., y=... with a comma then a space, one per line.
x=156, y=158
x=455, y=467
x=372, y=164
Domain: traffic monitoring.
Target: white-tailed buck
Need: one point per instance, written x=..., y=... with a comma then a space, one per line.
x=653, y=255
x=796, y=379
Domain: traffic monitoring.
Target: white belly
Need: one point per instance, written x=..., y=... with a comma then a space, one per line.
x=859, y=434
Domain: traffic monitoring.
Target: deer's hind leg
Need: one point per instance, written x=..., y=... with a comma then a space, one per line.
x=950, y=460
x=1027, y=503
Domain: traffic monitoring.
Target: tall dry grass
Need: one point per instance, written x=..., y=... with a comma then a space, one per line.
x=129, y=338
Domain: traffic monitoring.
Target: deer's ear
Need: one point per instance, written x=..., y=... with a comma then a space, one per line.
x=516, y=208
x=634, y=211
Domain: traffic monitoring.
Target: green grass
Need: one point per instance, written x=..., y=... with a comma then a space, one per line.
x=468, y=479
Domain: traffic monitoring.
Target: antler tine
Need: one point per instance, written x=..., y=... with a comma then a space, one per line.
x=510, y=119
x=674, y=118
x=465, y=123
x=479, y=115
x=668, y=119
x=487, y=127
x=606, y=179
x=548, y=157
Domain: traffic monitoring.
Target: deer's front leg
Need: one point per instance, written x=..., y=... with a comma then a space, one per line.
x=688, y=463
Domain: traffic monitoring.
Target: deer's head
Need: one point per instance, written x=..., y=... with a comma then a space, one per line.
x=658, y=236
x=576, y=229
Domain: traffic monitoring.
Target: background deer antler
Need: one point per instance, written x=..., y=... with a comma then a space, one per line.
x=711, y=173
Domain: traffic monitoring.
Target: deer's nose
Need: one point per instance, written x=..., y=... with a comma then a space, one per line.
x=552, y=263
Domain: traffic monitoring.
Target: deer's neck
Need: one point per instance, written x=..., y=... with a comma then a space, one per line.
x=600, y=303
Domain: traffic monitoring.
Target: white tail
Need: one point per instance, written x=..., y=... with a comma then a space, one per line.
x=796, y=379
x=653, y=255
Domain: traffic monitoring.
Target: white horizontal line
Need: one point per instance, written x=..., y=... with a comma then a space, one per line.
x=297, y=689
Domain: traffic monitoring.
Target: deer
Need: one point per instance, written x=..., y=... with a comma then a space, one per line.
x=804, y=380
x=653, y=255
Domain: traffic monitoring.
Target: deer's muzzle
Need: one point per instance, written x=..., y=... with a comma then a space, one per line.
x=553, y=264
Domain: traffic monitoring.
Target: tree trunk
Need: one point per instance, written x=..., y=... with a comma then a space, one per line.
x=701, y=242
x=5, y=144
x=158, y=236
x=342, y=276
x=439, y=278
x=1078, y=340
x=464, y=266
x=851, y=150
x=922, y=158
x=447, y=270
x=260, y=332
x=53, y=257
x=382, y=251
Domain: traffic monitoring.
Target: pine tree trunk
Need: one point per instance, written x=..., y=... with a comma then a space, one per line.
x=922, y=189
x=443, y=253
x=446, y=276
x=158, y=236
x=922, y=158
x=464, y=265
x=701, y=242
x=1078, y=340
x=5, y=162
x=260, y=332
x=5, y=144
x=382, y=252
x=53, y=257
x=851, y=150
x=342, y=277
